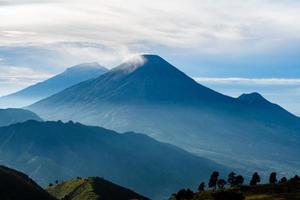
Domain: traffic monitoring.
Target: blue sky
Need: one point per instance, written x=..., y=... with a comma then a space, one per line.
x=232, y=46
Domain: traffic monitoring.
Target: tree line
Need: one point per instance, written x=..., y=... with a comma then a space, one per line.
x=233, y=180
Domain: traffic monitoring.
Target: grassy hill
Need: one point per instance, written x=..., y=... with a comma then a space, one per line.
x=15, y=185
x=283, y=191
x=93, y=188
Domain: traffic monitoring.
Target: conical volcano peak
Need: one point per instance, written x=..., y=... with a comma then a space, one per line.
x=144, y=60
x=154, y=60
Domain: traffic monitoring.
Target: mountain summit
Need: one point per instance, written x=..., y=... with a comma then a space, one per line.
x=69, y=77
x=253, y=98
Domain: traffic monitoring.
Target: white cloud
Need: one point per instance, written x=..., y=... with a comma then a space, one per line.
x=284, y=92
x=200, y=25
x=13, y=78
x=249, y=81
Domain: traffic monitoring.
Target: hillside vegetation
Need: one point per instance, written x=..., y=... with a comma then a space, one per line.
x=285, y=191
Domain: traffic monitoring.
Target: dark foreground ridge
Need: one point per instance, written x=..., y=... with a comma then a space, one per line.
x=15, y=185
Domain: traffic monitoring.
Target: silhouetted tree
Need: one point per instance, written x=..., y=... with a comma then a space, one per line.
x=283, y=180
x=272, y=178
x=213, y=180
x=239, y=180
x=231, y=179
x=201, y=187
x=235, y=180
x=50, y=185
x=255, y=179
x=184, y=194
x=295, y=179
x=56, y=182
x=221, y=183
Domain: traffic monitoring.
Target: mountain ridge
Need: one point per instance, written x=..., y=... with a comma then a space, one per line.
x=49, y=151
x=14, y=115
x=57, y=83
x=158, y=99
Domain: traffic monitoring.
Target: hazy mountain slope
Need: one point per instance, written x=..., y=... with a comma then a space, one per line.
x=150, y=95
x=15, y=115
x=15, y=185
x=93, y=188
x=69, y=77
x=49, y=151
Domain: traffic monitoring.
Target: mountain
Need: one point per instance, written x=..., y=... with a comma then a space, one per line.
x=15, y=115
x=15, y=185
x=49, y=151
x=69, y=77
x=93, y=188
x=149, y=95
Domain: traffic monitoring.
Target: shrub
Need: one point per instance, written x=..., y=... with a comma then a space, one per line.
x=228, y=195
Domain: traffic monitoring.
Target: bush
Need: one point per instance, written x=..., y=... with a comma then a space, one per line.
x=228, y=195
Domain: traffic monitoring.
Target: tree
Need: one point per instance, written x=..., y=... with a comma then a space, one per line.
x=272, y=178
x=231, y=179
x=295, y=179
x=239, y=180
x=221, y=183
x=213, y=180
x=235, y=180
x=56, y=182
x=50, y=185
x=201, y=187
x=283, y=180
x=255, y=179
x=184, y=194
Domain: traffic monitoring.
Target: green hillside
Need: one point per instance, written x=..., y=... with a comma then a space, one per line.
x=93, y=188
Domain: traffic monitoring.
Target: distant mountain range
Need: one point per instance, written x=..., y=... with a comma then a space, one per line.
x=15, y=185
x=15, y=115
x=49, y=151
x=93, y=188
x=151, y=96
x=71, y=76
